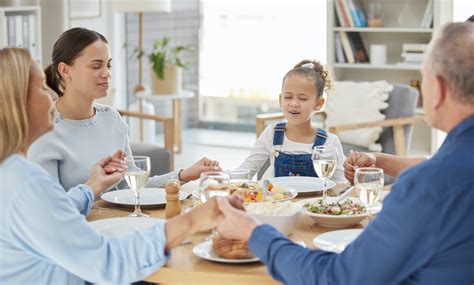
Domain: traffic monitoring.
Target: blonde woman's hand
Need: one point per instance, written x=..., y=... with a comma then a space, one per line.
x=356, y=160
x=202, y=165
x=117, y=162
x=99, y=180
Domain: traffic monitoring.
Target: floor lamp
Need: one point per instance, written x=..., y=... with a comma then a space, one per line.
x=140, y=7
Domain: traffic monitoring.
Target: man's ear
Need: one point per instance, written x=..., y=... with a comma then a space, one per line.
x=319, y=103
x=63, y=70
x=279, y=100
x=440, y=92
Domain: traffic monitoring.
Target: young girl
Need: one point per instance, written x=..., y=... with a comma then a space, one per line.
x=86, y=131
x=289, y=145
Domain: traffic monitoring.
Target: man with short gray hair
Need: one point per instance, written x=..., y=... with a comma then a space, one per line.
x=449, y=60
x=425, y=232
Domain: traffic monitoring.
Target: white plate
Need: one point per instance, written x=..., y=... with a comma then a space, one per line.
x=291, y=190
x=337, y=221
x=302, y=184
x=116, y=227
x=204, y=250
x=148, y=197
x=336, y=241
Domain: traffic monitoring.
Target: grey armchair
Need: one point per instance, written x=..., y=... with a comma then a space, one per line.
x=398, y=124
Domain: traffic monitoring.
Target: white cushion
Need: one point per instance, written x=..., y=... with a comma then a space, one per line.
x=358, y=102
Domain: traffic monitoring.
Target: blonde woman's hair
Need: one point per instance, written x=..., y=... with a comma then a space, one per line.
x=14, y=80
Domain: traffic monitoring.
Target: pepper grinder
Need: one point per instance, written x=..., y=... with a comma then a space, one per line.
x=173, y=206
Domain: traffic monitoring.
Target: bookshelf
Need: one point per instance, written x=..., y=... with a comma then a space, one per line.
x=21, y=27
x=402, y=23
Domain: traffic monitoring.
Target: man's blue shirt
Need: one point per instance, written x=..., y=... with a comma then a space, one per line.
x=423, y=235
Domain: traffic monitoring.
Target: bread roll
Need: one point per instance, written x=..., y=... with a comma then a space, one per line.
x=231, y=248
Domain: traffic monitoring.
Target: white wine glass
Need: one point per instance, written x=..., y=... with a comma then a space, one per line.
x=213, y=184
x=136, y=175
x=369, y=182
x=325, y=164
x=238, y=175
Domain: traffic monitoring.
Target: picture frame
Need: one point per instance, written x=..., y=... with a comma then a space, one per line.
x=84, y=9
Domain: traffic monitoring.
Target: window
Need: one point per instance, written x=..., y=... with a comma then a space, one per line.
x=246, y=48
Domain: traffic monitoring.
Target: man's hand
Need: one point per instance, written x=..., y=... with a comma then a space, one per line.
x=202, y=165
x=236, y=223
x=356, y=160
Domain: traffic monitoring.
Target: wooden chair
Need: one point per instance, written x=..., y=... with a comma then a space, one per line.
x=158, y=154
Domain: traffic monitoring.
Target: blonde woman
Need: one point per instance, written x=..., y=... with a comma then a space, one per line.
x=44, y=236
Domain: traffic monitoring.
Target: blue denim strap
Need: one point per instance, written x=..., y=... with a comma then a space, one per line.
x=279, y=133
x=321, y=137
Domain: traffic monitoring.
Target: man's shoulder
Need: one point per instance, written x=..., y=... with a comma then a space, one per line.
x=438, y=173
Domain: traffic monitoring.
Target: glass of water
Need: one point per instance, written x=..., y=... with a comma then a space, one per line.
x=213, y=183
x=369, y=182
x=136, y=175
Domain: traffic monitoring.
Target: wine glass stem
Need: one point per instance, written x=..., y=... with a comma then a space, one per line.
x=137, y=202
x=325, y=190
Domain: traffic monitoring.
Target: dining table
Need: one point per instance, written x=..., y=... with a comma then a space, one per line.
x=184, y=267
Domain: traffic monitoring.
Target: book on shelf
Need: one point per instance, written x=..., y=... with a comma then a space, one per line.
x=360, y=20
x=414, y=48
x=342, y=20
x=22, y=32
x=358, y=48
x=346, y=13
x=427, y=21
x=11, y=41
x=339, y=50
x=346, y=45
x=413, y=57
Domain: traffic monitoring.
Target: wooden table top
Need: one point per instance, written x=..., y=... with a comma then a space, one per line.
x=186, y=268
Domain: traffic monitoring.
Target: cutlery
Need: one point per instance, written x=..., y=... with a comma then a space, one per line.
x=266, y=183
x=345, y=194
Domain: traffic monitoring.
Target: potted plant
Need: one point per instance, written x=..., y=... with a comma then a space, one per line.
x=166, y=66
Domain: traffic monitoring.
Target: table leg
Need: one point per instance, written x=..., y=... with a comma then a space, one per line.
x=177, y=125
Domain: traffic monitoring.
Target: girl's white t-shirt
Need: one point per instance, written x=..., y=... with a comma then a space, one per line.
x=263, y=150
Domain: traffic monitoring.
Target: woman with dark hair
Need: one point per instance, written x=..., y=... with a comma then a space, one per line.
x=45, y=238
x=85, y=131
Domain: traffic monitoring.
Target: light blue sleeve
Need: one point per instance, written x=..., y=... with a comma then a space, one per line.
x=45, y=223
x=394, y=246
x=82, y=197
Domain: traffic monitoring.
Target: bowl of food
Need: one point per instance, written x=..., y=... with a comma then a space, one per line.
x=253, y=192
x=281, y=215
x=347, y=213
